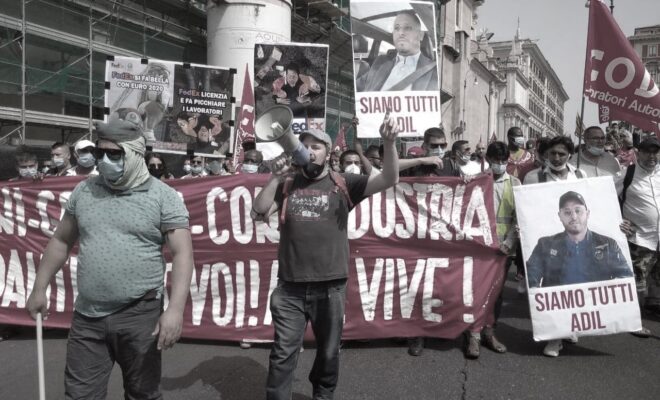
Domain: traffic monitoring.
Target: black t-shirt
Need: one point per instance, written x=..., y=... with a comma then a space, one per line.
x=314, y=237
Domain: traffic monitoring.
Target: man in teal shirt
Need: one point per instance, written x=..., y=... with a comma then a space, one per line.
x=121, y=219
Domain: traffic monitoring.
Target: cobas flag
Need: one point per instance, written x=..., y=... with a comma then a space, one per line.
x=614, y=75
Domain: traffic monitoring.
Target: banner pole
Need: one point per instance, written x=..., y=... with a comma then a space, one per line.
x=40, y=357
x=581, y=128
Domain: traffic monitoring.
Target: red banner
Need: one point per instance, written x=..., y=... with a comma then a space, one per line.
x=424, y=259
x=245, y=131
x=614, y=75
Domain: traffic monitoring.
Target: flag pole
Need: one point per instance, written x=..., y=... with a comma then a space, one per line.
x=584, y=82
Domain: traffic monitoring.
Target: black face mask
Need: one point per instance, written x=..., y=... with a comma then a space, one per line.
x=312, y=170
x=156, y=172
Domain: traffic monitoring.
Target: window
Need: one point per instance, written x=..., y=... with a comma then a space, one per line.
x=653, y=50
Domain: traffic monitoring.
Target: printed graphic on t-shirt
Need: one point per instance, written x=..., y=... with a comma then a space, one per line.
x=308, y=205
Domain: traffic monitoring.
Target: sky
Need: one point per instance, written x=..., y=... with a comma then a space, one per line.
x=561, y=29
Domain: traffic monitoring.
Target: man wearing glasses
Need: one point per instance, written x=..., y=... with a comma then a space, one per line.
x=594, y=159
x=196, y=168
x=577, y=255
x=120, y=219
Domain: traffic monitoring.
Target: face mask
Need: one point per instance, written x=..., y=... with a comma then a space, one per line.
x=111, y=170
x=156, y=172
x=438, y=152
x=465, y=158
x=313, y=170
x=596, y=151
x=353, y=169
x=187, y=168
x=58, y=162
x=552, y=167
x=86, y=160
x=27, y=172
x=498, y=169
x=250, y=168
x=197, y=169
x=519, y=141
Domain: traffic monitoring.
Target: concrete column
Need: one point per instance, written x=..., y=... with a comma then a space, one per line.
x=234, y=28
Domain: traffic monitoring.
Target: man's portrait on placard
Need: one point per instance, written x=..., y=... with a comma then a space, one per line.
x=569, y=233
x=394, y=46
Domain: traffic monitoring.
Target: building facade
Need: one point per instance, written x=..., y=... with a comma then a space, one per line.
x=532, y=96
x=646, y=42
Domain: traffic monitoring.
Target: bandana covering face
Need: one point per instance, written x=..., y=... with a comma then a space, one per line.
x=135, y=169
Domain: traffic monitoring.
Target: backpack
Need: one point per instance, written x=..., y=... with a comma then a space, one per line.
x=337, y=179
x=627, y=180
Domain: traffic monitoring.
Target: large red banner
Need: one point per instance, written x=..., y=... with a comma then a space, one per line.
x=614, y=76
x=424, y=258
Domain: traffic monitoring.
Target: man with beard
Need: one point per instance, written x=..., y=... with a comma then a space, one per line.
x=594, y=160
x=313, y=255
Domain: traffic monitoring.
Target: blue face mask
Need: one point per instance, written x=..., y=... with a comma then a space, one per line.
x=86, y=160
x=111, y=170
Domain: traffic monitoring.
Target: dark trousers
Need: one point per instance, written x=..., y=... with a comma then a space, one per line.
x=125, y=337
x=292, y=305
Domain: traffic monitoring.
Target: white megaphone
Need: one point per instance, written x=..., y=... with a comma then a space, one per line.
x=275, y=126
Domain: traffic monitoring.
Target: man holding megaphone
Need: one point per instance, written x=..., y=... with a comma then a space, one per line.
x=313, y=205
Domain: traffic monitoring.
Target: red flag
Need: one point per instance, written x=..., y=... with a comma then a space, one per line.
x=614, y=75
x=340, y=142
x=245, y=130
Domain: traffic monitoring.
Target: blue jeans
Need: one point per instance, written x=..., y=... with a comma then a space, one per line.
x=292, y=305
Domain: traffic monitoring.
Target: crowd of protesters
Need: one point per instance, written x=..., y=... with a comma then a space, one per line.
x=632, y=159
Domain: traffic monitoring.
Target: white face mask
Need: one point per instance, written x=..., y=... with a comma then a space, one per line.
x=552, y=167
x=498, y=169
x=86, y=160
x=28, y=172
x=353, y=169
x=111, y=170
x=58, y=162
x=187, y=168
x=197, y=169
x=465, y=158
x=438, y=152
x=595, y=151
x=250, y=168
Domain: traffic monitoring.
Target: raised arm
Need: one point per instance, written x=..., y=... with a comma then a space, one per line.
x=389, y=175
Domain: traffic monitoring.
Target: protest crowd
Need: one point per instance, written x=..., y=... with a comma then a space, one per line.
x=631, y=159
x=151, y=228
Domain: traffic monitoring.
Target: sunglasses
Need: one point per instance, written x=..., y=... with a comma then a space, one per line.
x=113, y=154
x=440, y=145
x=195, y=162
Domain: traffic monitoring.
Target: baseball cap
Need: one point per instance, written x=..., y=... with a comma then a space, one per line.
x=651, y=143
x=318, y=135
x=571, y=196
x=83, y=144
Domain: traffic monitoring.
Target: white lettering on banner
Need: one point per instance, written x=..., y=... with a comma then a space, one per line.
x=468, y=297
x=356, y=232
x=647, y=88
x=3, y=270
x=407, y=294
x=218, y=269
x=42, y=206
x=442, y=198
x=428, y=302
x=241, y=236
x=14, y=283
x=477, y=206
x=370, y=290
x=240, y=293
x=386, y=229
x=404, y=232
x=254, y=291
x=220, y=194
x=20, y=213
x=7, y=217
x=234, y=309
